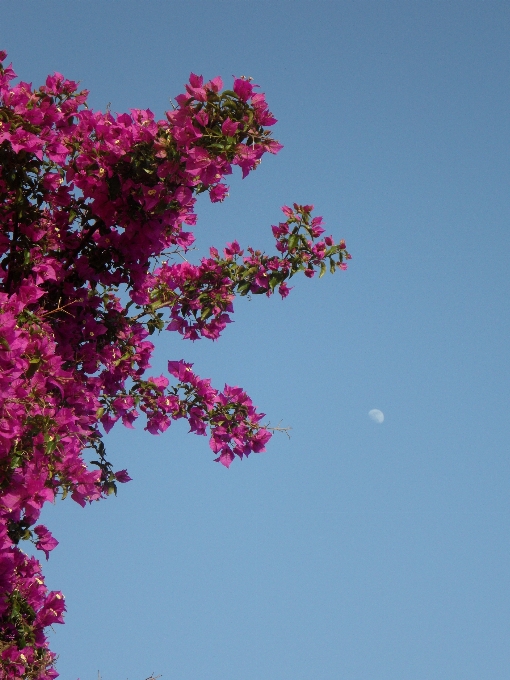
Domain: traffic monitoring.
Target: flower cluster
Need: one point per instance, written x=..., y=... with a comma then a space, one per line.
x=95, y=210
x=199, y=298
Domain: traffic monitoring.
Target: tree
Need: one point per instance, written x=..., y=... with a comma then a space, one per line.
x=95, y=211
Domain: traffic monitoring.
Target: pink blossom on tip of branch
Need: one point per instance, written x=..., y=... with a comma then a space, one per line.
x=46, y=542
x=243, y=88
x=122, y=476
x=284, y=290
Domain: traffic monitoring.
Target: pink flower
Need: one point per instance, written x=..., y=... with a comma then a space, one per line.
x=46, y=542
x=161, y=382
x=52, y=611
x=260, y=439
x=180, y=370
x=195, y=88
x=243, y=89
x=215, y=85
x=225, y=458
x=284, y=290
x=232, y=249
x=218, y=193
x=317, y=231
x=122, y=476
x=229, y=127
x=107, y=421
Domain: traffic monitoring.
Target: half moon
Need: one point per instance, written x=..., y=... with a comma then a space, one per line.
x=376, y=415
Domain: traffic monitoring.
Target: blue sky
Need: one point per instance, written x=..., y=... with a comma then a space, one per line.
x=354, y=550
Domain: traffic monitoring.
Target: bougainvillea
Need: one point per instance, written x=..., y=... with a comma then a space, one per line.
x=95, y=214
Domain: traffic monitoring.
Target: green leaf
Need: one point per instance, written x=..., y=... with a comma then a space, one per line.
x=293, y=241
x=323, y=269
x=34, y=363
x=243, y=288
x=274, y=281
x=50, y=446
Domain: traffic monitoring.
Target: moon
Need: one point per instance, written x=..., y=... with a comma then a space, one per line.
x=376, y=415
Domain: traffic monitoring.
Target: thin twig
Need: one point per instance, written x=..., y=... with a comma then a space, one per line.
x=277, y=428
x=59, y=309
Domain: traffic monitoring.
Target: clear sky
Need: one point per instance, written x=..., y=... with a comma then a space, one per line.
x=356, y=550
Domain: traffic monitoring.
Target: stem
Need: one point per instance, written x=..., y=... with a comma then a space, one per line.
x=12, y=255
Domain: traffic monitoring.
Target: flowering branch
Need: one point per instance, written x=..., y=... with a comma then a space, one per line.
x=89, y=204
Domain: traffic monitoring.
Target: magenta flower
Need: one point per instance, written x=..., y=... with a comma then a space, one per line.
x=229, y=127
x=218, y=193
x=46, y=542
x=243, y=89
x=284, y=290
x=215, y=85
x=122, y=476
